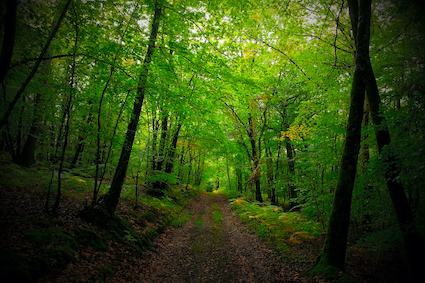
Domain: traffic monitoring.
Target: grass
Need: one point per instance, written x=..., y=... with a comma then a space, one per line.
x=279, y=229
x=216, y=214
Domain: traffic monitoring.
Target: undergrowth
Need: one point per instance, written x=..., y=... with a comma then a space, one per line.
x=137, y=223
x=281, y=230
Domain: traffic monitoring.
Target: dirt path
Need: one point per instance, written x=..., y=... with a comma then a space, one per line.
x=208, y=249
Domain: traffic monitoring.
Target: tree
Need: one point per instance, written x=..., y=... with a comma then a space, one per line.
x=11, y=106
x=8, y=37
x=110, y=200
x=332, y=258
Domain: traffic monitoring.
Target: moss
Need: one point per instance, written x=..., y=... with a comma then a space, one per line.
x=58, y=257
x=63, y=237
x=87, y=237
x=38, y=237
x=53, y=235
x=107, y=271
x=197, y=248
x=14, y=267
x=329, y=272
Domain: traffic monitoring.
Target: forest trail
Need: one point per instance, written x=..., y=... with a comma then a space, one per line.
x=214, y=247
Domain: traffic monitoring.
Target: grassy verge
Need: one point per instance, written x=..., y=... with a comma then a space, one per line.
x=290, y=234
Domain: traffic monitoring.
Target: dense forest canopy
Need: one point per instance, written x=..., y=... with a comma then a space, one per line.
x=250, y=96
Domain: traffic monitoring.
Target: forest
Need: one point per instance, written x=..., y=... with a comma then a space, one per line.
x=298, y=122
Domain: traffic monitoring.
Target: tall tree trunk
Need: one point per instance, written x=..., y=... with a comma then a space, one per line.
x=112, y=197
x=80, y=146
x=27, y=157
x=239, y=178
x=228, y=173
x=291, y=167
x=333, y=254
x=256, y=171
x=24, y=85
x=155, y=128
x=160, y=186
x=67, y=115
x=270, y=175
x=170, y=160
x=161, y=150
x=413, y=244
x=8, y=37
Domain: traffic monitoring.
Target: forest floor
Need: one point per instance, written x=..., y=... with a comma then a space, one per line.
x=216, y=247
x=212, y=246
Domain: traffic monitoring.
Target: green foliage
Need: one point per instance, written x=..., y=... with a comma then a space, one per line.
x=88, y=237
x=277, y=228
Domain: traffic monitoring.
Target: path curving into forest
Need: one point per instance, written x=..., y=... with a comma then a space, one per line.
x=214, y=246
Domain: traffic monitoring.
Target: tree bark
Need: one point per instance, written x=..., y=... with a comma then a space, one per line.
x=170, y=160
x=291, y=167
x=8, y=38
x=333, y=254
x=28, y=151
x=228, y=173
x=256, y=171
x=413, y=244
x=112, y=197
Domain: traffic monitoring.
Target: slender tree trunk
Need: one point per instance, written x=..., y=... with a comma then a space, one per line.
x=413, y=244
x=270, y=175
x=291, y=167
x=27, y=157
x=113, y=195
x=256, y=172
x=9, y=110
x=170, y=160
x=80, y=146
x=190, y=168
x=8, y=38
x=28, y=152
x=68, y=117
x=239, y=179
x=155, y=128
x=182, y=154
x=334, y=250
x=161, y=150
x=228, y=173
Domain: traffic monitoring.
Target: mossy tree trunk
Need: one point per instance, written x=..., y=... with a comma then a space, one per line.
x=332, y=257
x=111, y=199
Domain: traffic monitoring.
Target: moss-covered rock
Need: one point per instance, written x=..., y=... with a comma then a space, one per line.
x=87, y=237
